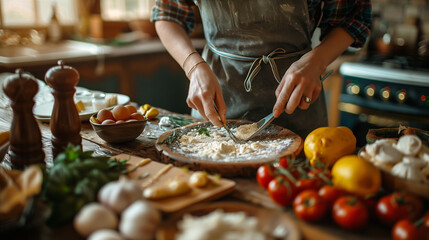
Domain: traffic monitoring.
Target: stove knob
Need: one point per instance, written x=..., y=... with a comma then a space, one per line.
x=353, y=89
x=370, y=91
x=385, y=94
x=401, y=96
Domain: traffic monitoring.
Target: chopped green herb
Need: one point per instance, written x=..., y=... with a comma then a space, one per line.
x=204, y=131
x=179, y=121
x=170, y=139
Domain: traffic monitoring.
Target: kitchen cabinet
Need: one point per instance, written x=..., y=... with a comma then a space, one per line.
x=144, y=70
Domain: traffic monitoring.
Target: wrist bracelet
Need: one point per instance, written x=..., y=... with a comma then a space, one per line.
x=186, y=58
x=193, y=68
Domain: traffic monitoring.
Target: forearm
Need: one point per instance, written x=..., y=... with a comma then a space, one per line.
x=332, y=46
x=177, y=43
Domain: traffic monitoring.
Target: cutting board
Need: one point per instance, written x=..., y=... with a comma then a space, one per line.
x=173, y=204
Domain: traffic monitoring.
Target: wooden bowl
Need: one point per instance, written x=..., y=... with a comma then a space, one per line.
x=381, y=133
x=244, y=168
x=119, y=133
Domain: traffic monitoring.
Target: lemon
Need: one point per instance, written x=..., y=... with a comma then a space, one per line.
x=356, y=175
x=80, y=106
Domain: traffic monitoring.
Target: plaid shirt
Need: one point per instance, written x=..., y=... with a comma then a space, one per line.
x=352, y=15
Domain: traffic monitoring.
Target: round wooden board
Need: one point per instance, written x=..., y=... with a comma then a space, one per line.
x=245, y=168
x=268, y=219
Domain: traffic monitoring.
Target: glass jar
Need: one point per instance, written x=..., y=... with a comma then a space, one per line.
x=99, y=101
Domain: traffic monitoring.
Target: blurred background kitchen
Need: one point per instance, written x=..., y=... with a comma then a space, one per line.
x=115, y=48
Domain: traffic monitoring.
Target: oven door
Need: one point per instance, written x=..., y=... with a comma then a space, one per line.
x=360, y=119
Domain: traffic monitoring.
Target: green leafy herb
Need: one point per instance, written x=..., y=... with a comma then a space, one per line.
x=204, y=131
x=170, y=139
x=144, y=175
x=179, y=121
x=74, y=180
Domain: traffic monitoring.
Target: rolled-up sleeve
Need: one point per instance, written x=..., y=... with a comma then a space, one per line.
x=178, y=11
x=352, y=15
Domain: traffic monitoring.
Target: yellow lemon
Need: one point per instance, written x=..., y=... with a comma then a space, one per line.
x=328, y=144
x=356, y=175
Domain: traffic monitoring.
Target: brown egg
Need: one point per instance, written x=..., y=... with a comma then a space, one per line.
x=120, y=121
x=108, y=121
x=121, y=113
x=104, y=114
x=131, y=108
x=137, y=116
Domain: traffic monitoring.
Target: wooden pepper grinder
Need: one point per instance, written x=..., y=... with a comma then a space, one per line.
x=65, y=121
x=25, y=137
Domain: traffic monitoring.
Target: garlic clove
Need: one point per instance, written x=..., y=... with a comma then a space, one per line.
x=93, y=217
x=139, y=221
x=409, y=145
x=105, y=234
x=118, y=195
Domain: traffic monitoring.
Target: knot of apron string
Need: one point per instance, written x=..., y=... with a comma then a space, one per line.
x=278, y=53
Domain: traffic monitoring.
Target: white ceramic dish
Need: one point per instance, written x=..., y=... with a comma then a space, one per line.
x=43, y=111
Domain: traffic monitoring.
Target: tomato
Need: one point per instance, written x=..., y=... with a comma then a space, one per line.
x=264, y=175
x=330, y=194
x=282, y=162
x=309, y=183
x=281, y=190
x=309, y=206
x=405, y=230
x=321, y=173
x=350, y=212
x=397, y=206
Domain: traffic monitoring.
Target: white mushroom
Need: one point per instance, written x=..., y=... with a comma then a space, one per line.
x=93, y=217
x=387, y=154
x=419, y=163
x=139, y=221
x=408, y=171
x=409, y=145
x=118, y=195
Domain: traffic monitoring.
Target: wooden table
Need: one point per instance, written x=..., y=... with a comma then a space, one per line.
x=246, y=189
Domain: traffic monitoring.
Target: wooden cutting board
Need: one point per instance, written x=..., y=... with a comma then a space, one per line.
x=173, y=204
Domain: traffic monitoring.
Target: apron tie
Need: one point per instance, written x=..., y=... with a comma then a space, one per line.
x=278, y=53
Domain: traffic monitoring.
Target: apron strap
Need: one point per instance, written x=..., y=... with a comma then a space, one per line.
x=278, y=53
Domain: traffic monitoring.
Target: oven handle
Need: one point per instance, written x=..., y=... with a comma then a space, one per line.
x=381, y=118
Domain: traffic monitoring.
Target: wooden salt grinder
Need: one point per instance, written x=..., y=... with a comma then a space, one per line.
x=65, y=121
x=26, y=146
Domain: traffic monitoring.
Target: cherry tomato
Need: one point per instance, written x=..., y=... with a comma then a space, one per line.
x=405, y=230
x=330, y=194
x=264, y=175
x=281, y=190
x=309, y=183
x=397, y=206
x=282, y=162
x=309, y=206
x=350, y=212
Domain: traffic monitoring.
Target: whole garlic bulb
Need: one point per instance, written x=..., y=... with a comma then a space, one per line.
x=105, y=234
x=139, y=221
x=93, y=217
x=118, y=195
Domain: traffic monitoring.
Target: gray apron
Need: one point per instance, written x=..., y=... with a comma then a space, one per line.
x=250, y=45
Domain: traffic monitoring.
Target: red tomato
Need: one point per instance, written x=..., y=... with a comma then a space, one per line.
x=397, y=206
x=405, y=230
x=309, y=206
x=309, y=183
x=330, y=194
x=264, y=175
x=350, y=212
x=281, y=190
x=283, y=162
